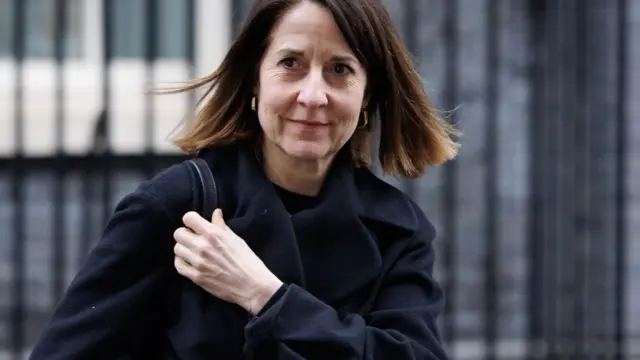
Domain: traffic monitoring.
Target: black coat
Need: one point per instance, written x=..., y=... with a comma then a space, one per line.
x=357, y=271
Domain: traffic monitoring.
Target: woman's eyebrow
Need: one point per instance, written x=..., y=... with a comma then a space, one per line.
x=298, y=52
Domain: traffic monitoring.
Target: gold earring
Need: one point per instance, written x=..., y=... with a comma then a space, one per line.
x=365, y=118
x=253, y=103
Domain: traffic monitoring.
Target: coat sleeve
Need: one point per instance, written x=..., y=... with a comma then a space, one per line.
x=401, y=325
x=122, y=281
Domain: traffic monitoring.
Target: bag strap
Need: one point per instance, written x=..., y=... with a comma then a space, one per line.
x=205, y=191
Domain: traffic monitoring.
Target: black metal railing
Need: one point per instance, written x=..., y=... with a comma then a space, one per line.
x=533, y=216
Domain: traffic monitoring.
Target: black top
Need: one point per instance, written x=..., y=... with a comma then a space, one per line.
x=295, y=202
x=356, y=266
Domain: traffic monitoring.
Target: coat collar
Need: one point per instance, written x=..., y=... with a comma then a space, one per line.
x=332, y=249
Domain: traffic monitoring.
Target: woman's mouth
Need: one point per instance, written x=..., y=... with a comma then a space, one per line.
x=309, y=124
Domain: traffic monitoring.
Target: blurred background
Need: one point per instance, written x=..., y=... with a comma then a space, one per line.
x=538, y=218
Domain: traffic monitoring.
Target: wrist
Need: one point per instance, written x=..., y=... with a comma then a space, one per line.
x=264, y=292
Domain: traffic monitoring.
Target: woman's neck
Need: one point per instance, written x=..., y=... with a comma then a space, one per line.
x=299, y=176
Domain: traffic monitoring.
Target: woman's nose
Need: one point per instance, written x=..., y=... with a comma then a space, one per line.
x=314, y=90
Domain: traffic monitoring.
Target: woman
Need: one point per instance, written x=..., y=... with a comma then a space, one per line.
x=310, y=255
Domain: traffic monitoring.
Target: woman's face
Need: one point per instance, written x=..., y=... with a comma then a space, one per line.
x=311, y=85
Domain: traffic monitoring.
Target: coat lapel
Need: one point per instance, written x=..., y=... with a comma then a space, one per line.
x=266, y=227
x=340, y=255
x=262, y=221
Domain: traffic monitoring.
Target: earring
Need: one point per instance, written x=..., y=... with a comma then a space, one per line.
x=365, y=118
x=253, y=103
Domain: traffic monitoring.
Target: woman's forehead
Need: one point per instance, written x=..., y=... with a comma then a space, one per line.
x=308, y=25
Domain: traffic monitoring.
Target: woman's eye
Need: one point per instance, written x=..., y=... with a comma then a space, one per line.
x=289, y=63
x=342, y=69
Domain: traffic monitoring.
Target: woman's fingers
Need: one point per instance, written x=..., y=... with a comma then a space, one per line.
x=185, y=269
x=201, y=226
x=190, y=257
x=187, y=238
x=194, y=265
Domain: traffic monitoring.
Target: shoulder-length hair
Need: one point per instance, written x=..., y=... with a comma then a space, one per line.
x=412, y=135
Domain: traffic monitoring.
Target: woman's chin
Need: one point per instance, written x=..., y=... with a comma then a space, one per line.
x=307, y=151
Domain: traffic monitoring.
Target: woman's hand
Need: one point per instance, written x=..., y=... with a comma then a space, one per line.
x=212, y=256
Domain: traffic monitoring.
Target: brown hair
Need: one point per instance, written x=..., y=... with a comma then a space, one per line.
x=412, y=136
